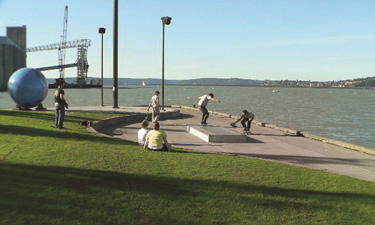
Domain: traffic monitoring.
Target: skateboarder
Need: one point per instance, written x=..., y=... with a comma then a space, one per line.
x=203, y=101
x=245, y=117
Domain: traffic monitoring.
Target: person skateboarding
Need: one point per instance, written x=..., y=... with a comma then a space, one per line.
x=203, y=101
x=246, y=117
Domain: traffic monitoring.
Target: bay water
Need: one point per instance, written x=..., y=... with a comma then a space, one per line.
x=338, y=113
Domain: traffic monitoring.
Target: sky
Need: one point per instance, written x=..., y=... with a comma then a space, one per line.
x=318, y=40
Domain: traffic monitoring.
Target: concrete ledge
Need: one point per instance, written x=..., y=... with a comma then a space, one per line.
x=283, y=129
x=117, y=120
x=134, y=117
x=215, y=134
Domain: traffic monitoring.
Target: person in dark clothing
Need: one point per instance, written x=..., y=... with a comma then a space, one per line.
x=60, y=104
x=246, y=117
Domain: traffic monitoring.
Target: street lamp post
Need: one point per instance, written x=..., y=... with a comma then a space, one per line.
x=166, y=21
x=102, y=31
x=115, y=55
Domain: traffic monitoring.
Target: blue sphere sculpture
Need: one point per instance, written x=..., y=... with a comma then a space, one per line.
x=28, y=87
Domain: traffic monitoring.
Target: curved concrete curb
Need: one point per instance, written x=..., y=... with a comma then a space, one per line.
x=293, y=132
x=340, y=143
x=133, y=117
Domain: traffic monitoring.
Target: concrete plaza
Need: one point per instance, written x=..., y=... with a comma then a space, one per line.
x=263, y=142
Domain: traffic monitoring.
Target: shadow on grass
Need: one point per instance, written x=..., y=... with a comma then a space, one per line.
x=74, y=196
x=51, y=192
x=60, y=134
x=32, y=115
x=47, y=116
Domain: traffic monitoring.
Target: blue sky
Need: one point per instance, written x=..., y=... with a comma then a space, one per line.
x=253, y=39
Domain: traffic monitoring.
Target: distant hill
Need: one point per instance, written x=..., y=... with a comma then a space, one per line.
x=150, y=81
x=368, y=82
x=221, y=81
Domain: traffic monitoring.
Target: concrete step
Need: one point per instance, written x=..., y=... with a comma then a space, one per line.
x=211, y=133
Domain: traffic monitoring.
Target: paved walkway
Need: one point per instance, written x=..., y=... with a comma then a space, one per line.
x=264, y=143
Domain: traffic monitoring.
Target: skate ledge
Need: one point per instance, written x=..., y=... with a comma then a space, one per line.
x=211, y=133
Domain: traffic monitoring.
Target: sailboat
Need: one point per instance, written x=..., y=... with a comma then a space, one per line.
x=143, y=83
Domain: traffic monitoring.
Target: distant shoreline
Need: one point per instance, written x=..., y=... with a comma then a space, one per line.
x=123, y=86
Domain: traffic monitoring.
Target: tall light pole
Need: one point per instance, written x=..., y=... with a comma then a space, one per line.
x=102, y=31
x=115, y=55
x=166, y=21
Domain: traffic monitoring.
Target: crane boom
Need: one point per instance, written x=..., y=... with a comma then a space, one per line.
x=63, y=43
x=68, y=44
x=81, y=63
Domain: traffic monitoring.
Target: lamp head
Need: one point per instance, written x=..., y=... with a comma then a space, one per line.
x=166, y=20
x=101, y=30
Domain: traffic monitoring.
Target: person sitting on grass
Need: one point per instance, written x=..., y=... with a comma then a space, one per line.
x=142, y=133
x=156, y=140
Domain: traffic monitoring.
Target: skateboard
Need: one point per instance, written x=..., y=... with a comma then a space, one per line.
x=247, y=132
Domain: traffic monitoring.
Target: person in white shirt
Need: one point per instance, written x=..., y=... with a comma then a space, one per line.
x=142, y=133
x=203, y=101
x=154, y=103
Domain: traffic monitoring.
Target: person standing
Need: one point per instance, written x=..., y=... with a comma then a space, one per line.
x=155, y=104
x=60, y=104
x=156, y=139
x=203, y=101
x=246, y=117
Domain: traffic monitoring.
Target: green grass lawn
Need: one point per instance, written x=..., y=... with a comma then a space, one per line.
x=71, y=176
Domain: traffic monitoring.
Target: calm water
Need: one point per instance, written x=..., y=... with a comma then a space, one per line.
x=343, y=114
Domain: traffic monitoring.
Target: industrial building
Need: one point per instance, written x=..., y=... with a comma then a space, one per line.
x=12, y=53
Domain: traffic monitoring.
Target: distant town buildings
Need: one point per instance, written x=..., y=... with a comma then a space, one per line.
x=12, y=53
x=360, y=82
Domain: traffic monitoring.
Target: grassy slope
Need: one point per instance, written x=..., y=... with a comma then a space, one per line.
x=50, y=176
